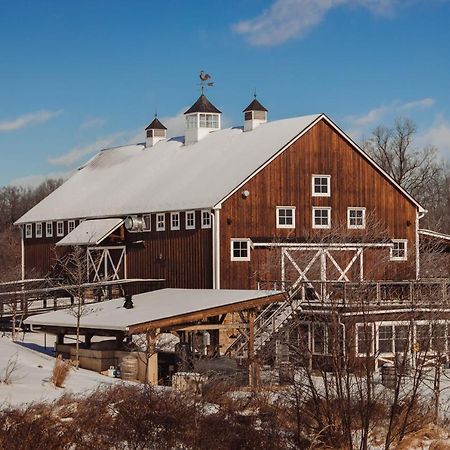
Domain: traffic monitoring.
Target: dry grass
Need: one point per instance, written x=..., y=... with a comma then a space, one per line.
x=61, y=371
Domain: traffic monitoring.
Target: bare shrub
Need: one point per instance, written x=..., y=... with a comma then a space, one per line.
x=60, y=372
x=8, y=375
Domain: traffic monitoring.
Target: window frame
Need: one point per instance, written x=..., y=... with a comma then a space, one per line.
x=47, y=233
x=358, y=209
x=240, y=258
x=38, y=234
x=318, y=208
x=392, y=249
x=71, y=226
x=59, y=233
x=28, y=231
x=326, y=338
x=280, y=208
x=160, y=224
x=374, y=342
x=321, y=194
x=146, y=229
x=172, y=216
x=203, y=213
x=186, y=220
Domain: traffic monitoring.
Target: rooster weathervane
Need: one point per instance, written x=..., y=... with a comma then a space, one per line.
x=205, y=80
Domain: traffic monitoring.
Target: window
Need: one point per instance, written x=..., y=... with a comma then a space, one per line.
x=399, y=250
x=285, y=217
x=39, y=230
x=60, y=228
x=395, y=338
x=49, y=229
x=209, y=121
x=190, y=220
x=438, y=337
x=386, y=339
x=29, y=230
x=240, y=249
x=71, y=226
x=364, y=339
x=356, y=217
x=321, y=343
x=191, y=121
x=146, y=222
x=160, y=222
x=321, y=217
x=175, y=221
x=206, y=219
x=321, y=186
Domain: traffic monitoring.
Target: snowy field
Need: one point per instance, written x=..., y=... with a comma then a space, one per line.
x=29, y=381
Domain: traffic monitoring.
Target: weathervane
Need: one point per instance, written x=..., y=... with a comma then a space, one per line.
x=205, y=80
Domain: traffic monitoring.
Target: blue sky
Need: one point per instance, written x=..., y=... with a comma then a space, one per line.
x=78, y=76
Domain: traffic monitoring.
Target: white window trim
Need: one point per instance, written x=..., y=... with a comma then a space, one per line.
x=206, y=211
x=146, y=230
x=58, y=224
x=393, y=323
x=239, y=258
x=189, y=227
x=47, y=234
x=38, y=235
x=374, y=338
x=28, y=231
x=278, y=208
x=356, y=227
x=326, y=208
x=172, y=226
x=399, y=258
x=160, y=227
x=70, y=226
x=321, y=194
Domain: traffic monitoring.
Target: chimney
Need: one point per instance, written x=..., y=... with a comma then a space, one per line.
x=155, y=132
x=254, y=115
x=201, y=118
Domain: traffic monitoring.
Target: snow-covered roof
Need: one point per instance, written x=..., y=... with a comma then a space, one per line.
x=169, y=176
x=148, y=307
x=91, y=232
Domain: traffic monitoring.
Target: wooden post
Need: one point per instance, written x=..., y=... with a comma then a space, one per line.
x=152, y=359
x=252, y=364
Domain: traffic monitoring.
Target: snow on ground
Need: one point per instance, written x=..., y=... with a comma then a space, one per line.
x=34, y=365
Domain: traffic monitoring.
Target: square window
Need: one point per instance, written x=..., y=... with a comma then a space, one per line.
x=29, y=230
x=356, y=217
x=240, y=250
x=160, y=222
x=399, y=250
x=49, y=229
x=206, y=219
x=71, y=226
x=190, y=220
x=175, y=221
x=39, y=230
x=60, y=228
x=285, y=217
x=321, y=186
x=146, y=222
x=321, y=218
x=385, y=339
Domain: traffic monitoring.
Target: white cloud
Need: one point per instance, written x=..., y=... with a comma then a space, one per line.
x=417, y=104
x=438, y=135
x=28, y=119
x=95, y=122
x=288, y=19
x=37, y=179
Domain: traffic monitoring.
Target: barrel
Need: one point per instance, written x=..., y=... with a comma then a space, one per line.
x=129, y=368
x=388, y=375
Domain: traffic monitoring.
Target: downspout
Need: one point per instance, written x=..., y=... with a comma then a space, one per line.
x=216, y=246
x=22, y=250
x=418, y=217
x=213, y=232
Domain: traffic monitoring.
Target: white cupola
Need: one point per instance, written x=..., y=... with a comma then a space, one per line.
x=255, y=114
x=201, y=118
x=155, y=132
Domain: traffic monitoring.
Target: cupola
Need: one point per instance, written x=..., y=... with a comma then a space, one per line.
x=255, y=114
x=201, y=118
x=155, y=132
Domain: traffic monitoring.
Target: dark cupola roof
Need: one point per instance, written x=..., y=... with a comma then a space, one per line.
x=202, y=105
x=255, y=106
x=156, y=125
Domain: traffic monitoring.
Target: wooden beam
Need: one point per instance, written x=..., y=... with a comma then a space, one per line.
x=212, y=326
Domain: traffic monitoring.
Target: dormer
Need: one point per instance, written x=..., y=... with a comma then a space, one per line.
x=255, y=114
x=155, y=132
x=201, y=118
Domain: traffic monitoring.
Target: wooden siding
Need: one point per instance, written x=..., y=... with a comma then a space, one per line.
x=287, y=181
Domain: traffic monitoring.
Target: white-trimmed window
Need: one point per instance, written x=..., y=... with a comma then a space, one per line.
x=160, y=222
x=321, y=185
x=49, y=229
x=39, y=229
x=59, y=228
x=285, y=216
x=29, y=230
x=240, y=249
x=146, y=222
x=364, y=339
x=191, y=121
x=321, y=217
x=70, y=226
x=209, y=120
x=320, y=338
x=206, y=219
x=399, y=250
x=356, y=217
x=175, y=221
x=393, y=337
x=190, y=220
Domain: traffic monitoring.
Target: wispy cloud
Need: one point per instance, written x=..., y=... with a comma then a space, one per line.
x=26, y=120
x=288, y=19
x=37, y=179
x=438, y=135
x=94, y=122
